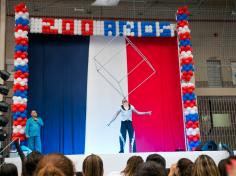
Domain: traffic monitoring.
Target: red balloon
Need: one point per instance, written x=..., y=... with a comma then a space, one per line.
x=19, y=119
x=26, y=74
x=24, y=106
x=14, y=109
x=15, y=123
x=190, y=137
x=195, y=139
x=21, y=109
x=190, y=123
x=190, y=73
x=23, y=123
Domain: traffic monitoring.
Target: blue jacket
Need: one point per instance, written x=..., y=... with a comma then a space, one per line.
x=33, y=128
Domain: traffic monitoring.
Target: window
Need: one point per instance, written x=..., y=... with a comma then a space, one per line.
x=221, y=120
x=214, y=73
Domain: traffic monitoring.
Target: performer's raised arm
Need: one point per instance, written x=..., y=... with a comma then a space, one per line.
x=114, y=118
x=141, y=113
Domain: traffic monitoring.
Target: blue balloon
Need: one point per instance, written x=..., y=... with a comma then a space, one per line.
x=191, y=144
x=21, y=48
x=22, y=21
x=194, y=117
x=14, y=117
x=24, y=68
x=187, y=118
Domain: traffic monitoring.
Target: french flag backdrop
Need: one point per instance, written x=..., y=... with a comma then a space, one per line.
x=76, y=103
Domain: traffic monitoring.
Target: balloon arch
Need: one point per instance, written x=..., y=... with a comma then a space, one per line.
x=24, y=25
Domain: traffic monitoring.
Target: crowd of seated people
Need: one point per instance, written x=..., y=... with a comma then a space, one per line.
x=36, y=164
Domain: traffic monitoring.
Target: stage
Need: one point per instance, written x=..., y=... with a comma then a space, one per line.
x=116, y=162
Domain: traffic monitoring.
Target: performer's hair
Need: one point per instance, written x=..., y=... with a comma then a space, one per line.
x=93, y=166
x=55, y=165
x=132, y=164
x=124, y=100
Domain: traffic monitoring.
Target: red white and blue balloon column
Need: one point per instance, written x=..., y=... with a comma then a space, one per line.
x=20, y=85
x=187, y=80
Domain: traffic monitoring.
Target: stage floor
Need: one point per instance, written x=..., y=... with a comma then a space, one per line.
x=116, y=162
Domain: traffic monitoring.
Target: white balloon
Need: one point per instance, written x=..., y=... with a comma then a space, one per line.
x=192, y=111
x=14, y=98
x=197, y=130
x=24, y=16
x=18, y=79
x=18, y=98
x=19, y=127
x=25, y=100
x=15, y=130
x=184, y=84
x=186, y=113
x=16, y=35
x=22, y=131
x=25, y=32
x=194, y=132
x=189, y=131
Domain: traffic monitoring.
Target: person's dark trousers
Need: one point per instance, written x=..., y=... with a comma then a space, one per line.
x=127, y=126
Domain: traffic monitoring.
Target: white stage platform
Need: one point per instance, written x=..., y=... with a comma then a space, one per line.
x=116, y=162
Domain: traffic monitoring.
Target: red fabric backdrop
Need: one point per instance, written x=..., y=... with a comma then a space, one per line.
x=164, y=129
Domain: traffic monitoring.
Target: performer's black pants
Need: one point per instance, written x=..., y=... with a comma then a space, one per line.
x=127, y=126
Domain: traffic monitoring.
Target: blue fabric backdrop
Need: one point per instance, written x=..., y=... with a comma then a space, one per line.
x=58, y=68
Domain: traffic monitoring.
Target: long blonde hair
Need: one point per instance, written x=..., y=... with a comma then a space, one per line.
x=93, y=166
x=205, y=166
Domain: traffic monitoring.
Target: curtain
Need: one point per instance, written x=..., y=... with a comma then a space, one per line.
x=161, y=94
x=57, y=90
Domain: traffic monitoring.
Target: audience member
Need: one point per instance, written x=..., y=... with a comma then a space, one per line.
x=205, y=166
x=150, y=168
x=157, y=158
x=55, y=165
x=188, y=171
x=222, y=167
x=8, y=169
x=93, y=166
x=132, y=164
x=79, y=173
x=231, y=166
x=30, y=163
x=180, y=168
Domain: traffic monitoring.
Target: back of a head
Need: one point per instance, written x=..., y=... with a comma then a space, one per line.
x=222, y=167
x=8, y=169
x=205, y=165
x=93, y=166
x=79, y=173
x=55, y=165
x=182, y=165
x=157, y=158
x=132, y=164
x=188, y=171
x=231, y=166
x=31, y=162
x=150, y=168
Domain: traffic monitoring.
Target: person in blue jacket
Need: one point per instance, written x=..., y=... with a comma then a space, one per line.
x=33, y=130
